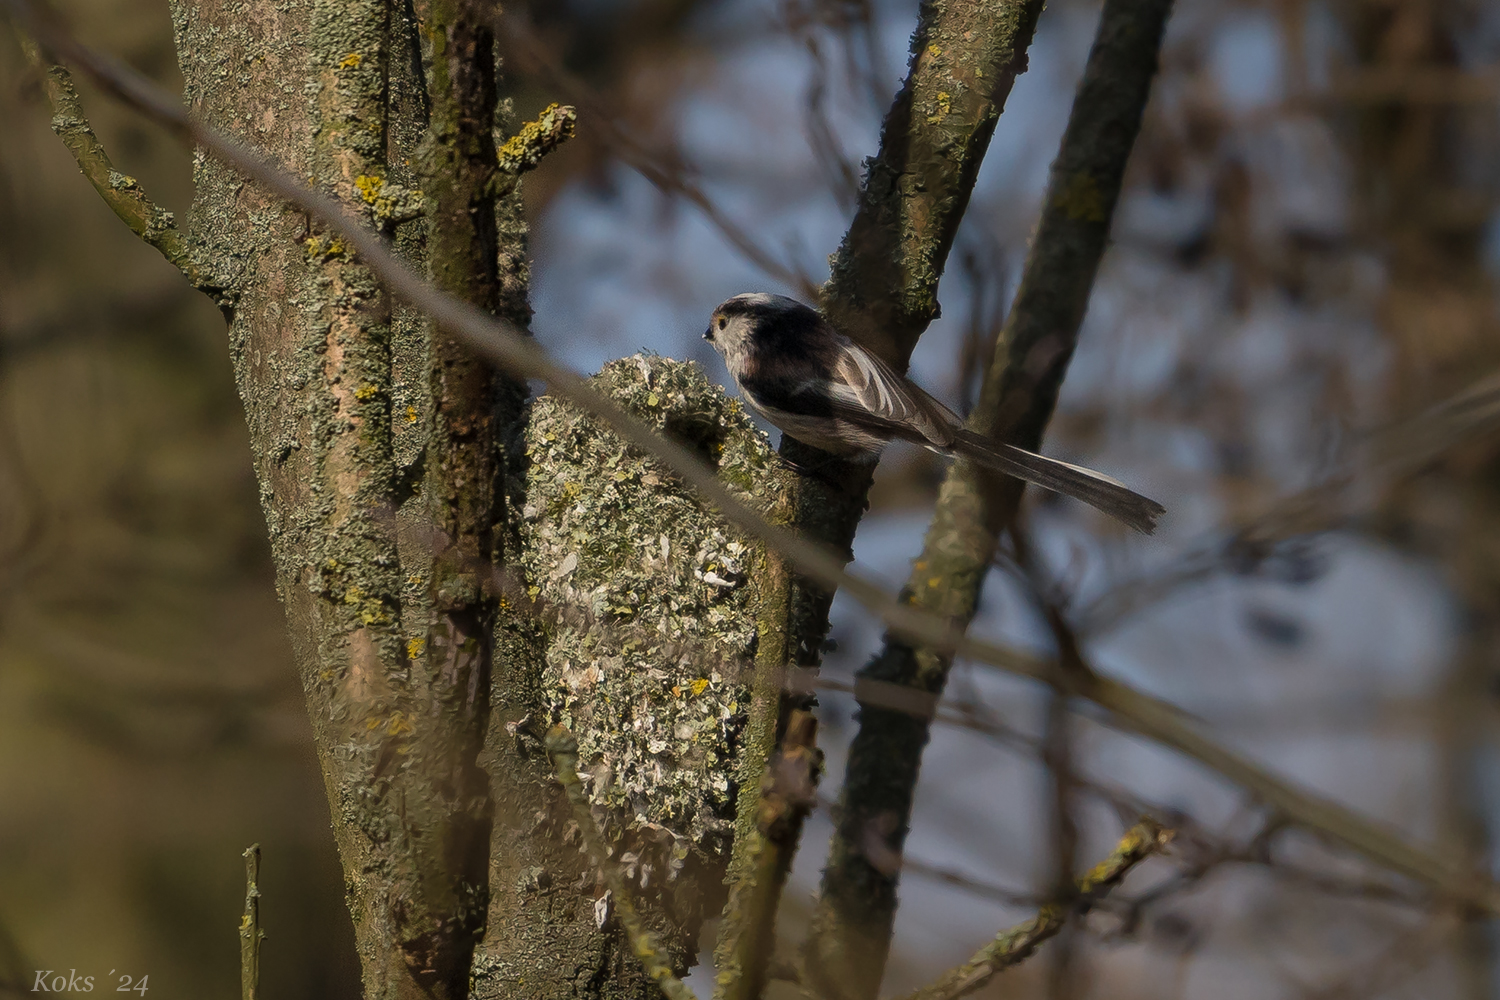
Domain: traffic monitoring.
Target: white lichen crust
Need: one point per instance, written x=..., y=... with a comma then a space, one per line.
x=645, y=592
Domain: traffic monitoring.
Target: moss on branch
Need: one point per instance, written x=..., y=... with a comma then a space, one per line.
x=524, y=150
x=648, y=949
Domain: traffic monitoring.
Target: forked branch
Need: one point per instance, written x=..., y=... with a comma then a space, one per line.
x=121, y=192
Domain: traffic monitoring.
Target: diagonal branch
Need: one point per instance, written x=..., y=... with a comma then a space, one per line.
x=854, y=916
x=506, y=346
x=1013, y=946
x=121, y=192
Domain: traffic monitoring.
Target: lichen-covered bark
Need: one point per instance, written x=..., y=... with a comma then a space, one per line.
x=639, y=605
x=965, y=55
x=852, y=922
x=395, y=673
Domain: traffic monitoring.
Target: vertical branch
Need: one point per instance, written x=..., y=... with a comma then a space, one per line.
x=459, y=502
x=965, y=56
x=852, y=922
x=1062, y=833
x=250, y=932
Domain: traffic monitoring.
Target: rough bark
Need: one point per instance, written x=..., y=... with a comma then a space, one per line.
x=636, y=621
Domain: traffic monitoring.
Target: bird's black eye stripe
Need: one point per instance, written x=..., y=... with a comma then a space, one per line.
x=723, y=322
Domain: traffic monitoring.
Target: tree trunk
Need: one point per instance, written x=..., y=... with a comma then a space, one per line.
x=460, y=572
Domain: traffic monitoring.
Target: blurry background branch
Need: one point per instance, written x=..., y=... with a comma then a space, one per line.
x=1015, y=945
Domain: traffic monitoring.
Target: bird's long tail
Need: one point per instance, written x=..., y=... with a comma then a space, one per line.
x=1093, y=488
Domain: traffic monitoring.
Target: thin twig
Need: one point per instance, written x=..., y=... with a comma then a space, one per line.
x=511, y=349
x=121, y=192
x=645, y=944
x=250, y=932
x=1399, y=449
x=665, y=176
x=1013, y=946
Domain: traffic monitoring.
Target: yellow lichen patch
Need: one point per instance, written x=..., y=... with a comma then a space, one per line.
x=934, y=49
x=350, y=61
x=414, y=648
x=525, y=149
x=698, y=686
x=411, y=414
x=389, y=202
x=366, y=392
x=369, y=187
x=944, y=105
x=398, y=726
x=324, y=247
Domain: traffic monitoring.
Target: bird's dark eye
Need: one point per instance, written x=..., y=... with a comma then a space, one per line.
x=723, y=322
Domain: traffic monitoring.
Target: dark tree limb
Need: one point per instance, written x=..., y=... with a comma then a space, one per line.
x=852, y=922
x=965, y=56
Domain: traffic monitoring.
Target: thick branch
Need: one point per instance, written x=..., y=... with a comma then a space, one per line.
x=1013, y=946
x=852, y=923
x=965, y=56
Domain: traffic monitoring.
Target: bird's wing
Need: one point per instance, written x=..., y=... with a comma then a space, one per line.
x=866, y=390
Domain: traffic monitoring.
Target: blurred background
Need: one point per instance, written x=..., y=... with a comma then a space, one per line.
x=1292, y=344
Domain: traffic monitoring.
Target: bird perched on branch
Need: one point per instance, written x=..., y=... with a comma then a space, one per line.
x=823, y=389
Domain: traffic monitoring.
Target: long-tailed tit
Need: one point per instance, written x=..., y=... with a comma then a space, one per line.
x=825, y=390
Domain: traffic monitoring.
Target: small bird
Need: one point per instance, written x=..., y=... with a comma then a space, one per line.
x=817, y=385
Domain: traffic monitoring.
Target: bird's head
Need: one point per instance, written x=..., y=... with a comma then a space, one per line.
x=747, y=324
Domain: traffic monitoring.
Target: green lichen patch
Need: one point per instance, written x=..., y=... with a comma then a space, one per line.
x=650, y=616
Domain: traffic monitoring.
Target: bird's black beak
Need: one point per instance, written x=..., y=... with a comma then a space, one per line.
x=708, y=335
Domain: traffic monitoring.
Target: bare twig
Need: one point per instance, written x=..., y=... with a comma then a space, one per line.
x=645, y=944
x=1013, y=946
x=1257, y=543
x=669, y=178
x=250, y=932
x=122, y=193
